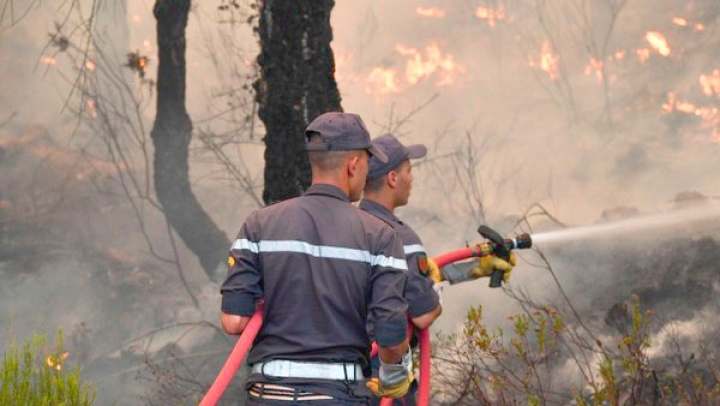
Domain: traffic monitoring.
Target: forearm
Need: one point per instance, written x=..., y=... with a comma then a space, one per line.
x=427, y=319
x=234, y=324
x=393, y=354
x=458, y=272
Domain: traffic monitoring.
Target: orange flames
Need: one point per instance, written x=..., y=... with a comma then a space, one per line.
x=490, y=15
x=382, y=81
x=47, y=60
x=548, y=62
x=430, y=12
x=682, y=22
x=658, y=42
x=54, y=361
x=711, y=83
x=709, y=115
x=596, y=67
x=90, y=107
x=90, y=66
x=421, y=65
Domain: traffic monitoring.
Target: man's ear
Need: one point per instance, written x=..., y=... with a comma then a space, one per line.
x=392, y=179
x=352, y=164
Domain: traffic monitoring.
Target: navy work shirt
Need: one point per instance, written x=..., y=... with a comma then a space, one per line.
x=331, y=276
x=419, y=293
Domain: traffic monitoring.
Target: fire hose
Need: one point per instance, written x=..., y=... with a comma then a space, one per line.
x=497, y=245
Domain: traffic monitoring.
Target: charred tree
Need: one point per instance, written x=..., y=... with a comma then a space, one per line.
x=171, y=135
x=296, y=84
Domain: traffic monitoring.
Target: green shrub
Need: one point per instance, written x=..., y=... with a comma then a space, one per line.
x=35, y=375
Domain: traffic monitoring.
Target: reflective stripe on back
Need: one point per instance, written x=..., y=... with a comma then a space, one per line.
x=320, y=251
x=412, y=249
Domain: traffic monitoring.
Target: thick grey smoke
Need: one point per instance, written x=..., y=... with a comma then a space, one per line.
x=517, y=113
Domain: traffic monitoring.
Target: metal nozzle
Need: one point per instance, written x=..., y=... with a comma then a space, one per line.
x=522, y=241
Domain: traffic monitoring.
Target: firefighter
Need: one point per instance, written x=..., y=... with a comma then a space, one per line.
x=388, y=187
x=330, y=277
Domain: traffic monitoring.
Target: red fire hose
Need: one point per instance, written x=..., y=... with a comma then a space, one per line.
x=246, y=339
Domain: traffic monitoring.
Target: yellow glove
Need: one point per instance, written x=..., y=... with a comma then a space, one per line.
x=489, y=263
x=434, y=272
x=396, y=391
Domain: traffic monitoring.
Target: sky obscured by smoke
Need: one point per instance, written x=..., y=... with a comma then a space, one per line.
x=518, y=105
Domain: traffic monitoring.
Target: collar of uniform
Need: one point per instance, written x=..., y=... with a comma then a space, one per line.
x=379, y=210
x=327, y=190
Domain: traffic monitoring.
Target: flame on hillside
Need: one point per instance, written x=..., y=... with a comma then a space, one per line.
x=430, y=12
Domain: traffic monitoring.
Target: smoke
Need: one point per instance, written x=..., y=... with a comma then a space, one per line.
x=516, y=110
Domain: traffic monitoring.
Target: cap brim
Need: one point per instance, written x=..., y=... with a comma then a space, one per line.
x=416, y=151
x=377, y=153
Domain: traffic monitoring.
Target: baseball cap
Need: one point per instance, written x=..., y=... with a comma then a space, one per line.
x=341, y=132
x=396, y=153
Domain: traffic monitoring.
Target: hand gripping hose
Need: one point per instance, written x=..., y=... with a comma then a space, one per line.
x=236, y=357
x=424, y=384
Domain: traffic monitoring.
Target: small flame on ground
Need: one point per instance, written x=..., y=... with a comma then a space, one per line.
x=490, y=15
x=548, y=61
x=680, y=21
x=90, y=107
x=595, y=67
x=430, y=12
x=48, y=60
x=643, y=54
x=711, y=83
x=420, y=65
x=418, y=68
x=709, y=115
x=658, y=42
x=90, y=66
x=382, y=81
x=619, y=55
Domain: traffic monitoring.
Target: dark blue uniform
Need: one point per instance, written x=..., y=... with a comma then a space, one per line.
x=419, y=293
x=331, y=277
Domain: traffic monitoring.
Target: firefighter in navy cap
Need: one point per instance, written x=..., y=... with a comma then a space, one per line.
x=388, y=187
x=331, y=278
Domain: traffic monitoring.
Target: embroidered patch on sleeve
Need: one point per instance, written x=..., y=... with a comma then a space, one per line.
x=423, y=264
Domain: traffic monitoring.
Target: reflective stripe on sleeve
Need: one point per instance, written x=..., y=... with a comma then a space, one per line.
x=319, y=251
x=412, y=249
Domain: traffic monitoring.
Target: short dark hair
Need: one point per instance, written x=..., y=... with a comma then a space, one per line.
x=326, y=161
x=374, y=185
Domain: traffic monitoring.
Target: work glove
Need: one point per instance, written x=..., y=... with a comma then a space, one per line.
x=394, y=379
x=487, y=264
x=434, y=271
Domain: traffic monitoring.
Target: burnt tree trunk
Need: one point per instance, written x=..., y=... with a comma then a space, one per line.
x=297, y=84
x=171, y=135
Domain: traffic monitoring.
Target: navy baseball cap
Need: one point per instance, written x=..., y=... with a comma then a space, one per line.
x=341, y=132
x=396, y=153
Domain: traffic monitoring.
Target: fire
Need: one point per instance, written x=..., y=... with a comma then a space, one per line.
x=53, y=361
x=490, y=15
x=709, y=115
x=711, y=83
x=382, y=81
x=619, y=55
x=90, y=66
x=596, y=67
x=430, y=12
x=48, y=60
x=420, y=65
x=90, y=107
x=643, y=54
x=658, y=42
x=418, y=68
x=680, y=21
x=548, y=61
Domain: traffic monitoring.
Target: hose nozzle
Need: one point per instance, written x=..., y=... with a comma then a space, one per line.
x=502, y=247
